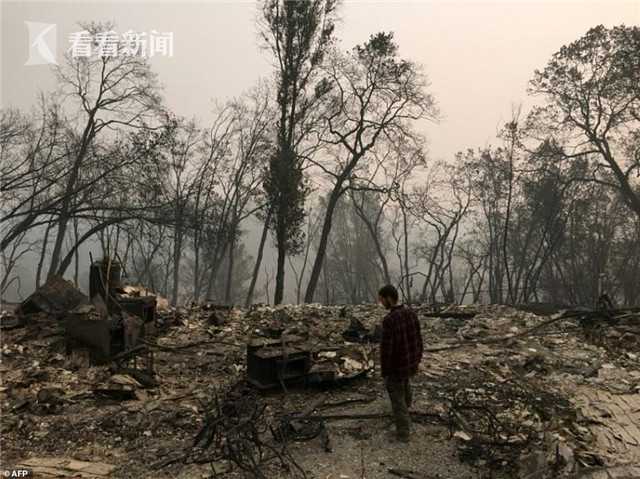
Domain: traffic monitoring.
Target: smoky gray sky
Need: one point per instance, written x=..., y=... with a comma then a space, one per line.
x=478, y=55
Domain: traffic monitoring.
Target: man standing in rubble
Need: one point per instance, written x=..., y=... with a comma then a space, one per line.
x=400, y=354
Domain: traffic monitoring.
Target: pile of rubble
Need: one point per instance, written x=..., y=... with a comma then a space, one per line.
x=145, y=390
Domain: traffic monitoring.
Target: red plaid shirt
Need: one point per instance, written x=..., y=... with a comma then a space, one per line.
x=401, y=345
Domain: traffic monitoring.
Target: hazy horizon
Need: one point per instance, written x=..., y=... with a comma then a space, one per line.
x=456, y=42
x=479, y=56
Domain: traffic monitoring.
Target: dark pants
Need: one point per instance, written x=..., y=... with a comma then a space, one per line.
x=400, y=394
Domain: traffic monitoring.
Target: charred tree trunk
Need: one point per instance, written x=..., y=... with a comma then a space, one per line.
x=43, y=254
x=65, y=213
x=282, y=255
x=256, y=268
x=405, y=229
x=228, y=285
x=177, y=256
x=76, y=237
x=322, y=246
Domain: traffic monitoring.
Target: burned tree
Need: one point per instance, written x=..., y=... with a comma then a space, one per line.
x=592, y=90
x=32, y=163
x=298, y=33
x=375, y=96
x=441, y=205
x=117, y=91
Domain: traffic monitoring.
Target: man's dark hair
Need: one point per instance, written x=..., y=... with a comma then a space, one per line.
x=389, y=291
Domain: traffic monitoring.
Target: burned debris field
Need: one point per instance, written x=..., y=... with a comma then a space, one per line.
x=320, y=239
x=292, y=391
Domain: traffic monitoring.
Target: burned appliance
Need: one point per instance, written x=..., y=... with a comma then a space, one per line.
x=103, y=338
x=105, y=280
x=273, y=363
x=110, y=329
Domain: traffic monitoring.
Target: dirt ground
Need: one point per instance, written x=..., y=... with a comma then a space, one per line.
x=367, y=449
x=359, y=448
x=523, y=396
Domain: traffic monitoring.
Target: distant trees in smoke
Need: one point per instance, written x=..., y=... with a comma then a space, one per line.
x=328, y=157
